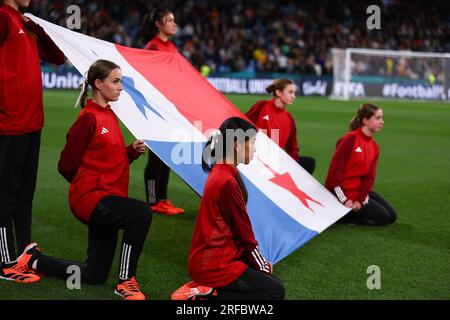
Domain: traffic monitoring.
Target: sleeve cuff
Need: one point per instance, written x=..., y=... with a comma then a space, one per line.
x=258, y=262
x=366, y=201
x=340, y=194
x=132, y=153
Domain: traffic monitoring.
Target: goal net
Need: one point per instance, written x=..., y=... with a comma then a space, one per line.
x=361, y=73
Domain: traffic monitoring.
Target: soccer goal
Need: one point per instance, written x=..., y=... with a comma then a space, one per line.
x=362, y=73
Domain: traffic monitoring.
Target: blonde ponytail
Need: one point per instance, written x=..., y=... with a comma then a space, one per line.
x=83, y=94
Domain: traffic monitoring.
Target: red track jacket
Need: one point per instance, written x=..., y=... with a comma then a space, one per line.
x=156, y=44
x=21, y=46
x=223, y=237
x=265, y=115
x=353, y=167
x=95, y=160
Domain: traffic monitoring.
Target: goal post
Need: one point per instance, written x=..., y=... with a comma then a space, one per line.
x=372, y=73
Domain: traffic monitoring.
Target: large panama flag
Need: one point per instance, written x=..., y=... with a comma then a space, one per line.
x=172, y=107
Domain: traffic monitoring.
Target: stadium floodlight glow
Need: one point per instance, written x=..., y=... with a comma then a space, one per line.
x=390, y=74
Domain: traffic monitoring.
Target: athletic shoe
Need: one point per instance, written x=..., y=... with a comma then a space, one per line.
x=161, y=208
x=29, y=255
x=205, y=297
x=191, y=291
x=172, y=207
x=19, y=270
x=166, y=207
x=129, y=290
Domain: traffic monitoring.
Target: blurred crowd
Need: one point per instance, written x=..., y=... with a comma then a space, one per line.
x=413, y=68
x=265, y=36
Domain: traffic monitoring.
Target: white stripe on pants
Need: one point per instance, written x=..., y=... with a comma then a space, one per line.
x=151, y=186
x=4, y=246
x=125, y=261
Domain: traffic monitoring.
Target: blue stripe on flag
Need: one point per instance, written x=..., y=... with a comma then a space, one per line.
x=190, y=152
x=277, y=233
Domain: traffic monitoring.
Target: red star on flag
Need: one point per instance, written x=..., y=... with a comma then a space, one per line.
x=285, y=181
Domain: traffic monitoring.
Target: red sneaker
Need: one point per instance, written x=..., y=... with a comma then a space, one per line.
x=166, y=207
x=19, y=271
x=31, y=250
x=190, y=291
x=172, y=207
x=129, y=290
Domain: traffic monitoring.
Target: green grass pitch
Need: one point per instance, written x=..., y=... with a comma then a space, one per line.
x=413, y=174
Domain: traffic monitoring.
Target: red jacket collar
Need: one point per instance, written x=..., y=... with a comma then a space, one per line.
x=94, y=105
x=363, y=135
x=227, y=167
x=274, y=107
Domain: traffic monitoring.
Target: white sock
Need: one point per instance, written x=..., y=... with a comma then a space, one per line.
x=34, y=265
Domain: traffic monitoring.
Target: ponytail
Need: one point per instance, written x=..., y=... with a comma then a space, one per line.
x=271, y=89
x=148, y=29
x=82, y=97
x=209, y=152
x=355, y=123
x=365, y=111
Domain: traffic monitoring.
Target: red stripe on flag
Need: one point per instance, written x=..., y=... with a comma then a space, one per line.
x=194, y=97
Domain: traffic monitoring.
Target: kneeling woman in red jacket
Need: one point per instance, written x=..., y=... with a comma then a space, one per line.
x=96, y=163
x=353, y=170
x=279, y=125
x=224, y=259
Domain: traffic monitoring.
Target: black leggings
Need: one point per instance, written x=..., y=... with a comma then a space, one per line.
x=378, y=212
x=252, y=285
x=156, y=176
x=19, y=157
x=110, y=215
x=308, y=163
